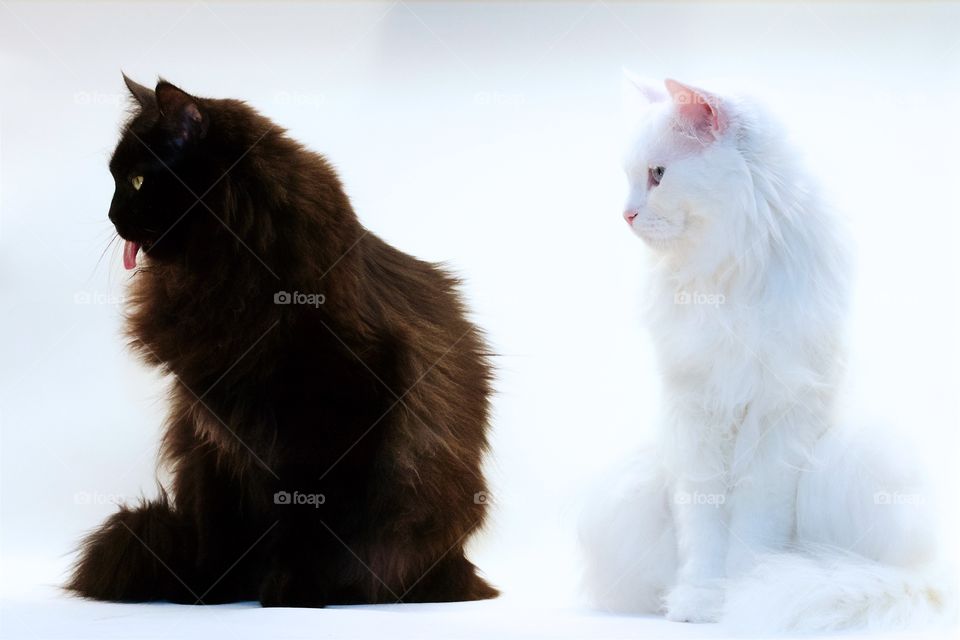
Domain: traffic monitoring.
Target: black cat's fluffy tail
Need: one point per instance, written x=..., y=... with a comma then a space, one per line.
x=139, y=554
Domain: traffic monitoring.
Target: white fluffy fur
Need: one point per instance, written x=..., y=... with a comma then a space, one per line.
x=751, y=508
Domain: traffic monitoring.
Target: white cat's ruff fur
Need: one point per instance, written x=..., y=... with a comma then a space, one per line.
x=703, y=527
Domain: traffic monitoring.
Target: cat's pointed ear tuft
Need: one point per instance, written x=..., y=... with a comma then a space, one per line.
x=140, y=93
x=699, y=112
x=643, y=91
x=181, y=114
x=637, y=97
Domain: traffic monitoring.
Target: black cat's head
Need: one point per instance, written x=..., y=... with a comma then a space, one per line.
x=161, y=169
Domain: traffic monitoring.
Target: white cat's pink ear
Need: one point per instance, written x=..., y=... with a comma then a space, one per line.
x=699, y=111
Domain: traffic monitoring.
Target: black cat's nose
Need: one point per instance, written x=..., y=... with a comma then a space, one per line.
x=112, y=213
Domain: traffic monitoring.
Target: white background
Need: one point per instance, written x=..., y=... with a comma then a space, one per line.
x=487, y=136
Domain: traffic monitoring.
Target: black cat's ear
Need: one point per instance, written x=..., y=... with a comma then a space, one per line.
x=140, y=93
x=180, y=114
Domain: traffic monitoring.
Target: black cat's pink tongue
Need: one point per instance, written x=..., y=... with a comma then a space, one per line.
x=130, y=250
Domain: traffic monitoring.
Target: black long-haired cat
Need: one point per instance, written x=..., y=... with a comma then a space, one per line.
x=329, y=399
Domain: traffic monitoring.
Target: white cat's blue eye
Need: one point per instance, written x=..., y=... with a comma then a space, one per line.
x=655, y=175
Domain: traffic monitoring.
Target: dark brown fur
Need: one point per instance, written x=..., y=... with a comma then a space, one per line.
x=377, y=399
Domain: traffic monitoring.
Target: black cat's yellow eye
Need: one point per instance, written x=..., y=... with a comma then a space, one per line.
x=137, y=182
x=656, y=175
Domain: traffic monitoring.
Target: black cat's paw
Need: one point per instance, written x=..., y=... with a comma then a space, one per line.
x=288, y=588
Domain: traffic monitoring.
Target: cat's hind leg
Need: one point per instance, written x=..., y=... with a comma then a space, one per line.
x=628, y=538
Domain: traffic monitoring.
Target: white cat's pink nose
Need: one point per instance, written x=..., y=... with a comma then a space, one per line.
x=629, y=215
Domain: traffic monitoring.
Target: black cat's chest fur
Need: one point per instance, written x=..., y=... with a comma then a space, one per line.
x=319, y=395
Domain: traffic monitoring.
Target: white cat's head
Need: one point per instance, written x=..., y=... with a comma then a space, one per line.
x=687, y=177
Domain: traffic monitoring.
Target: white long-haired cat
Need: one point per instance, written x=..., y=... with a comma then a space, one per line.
x=751, y=508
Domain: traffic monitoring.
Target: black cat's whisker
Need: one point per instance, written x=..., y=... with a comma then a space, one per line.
x=110, y=244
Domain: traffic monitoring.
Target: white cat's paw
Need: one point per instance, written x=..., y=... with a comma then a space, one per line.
x=687, y=603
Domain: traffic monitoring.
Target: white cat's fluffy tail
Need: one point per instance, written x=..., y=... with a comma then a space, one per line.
x=866, y=551
x=823, y=591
